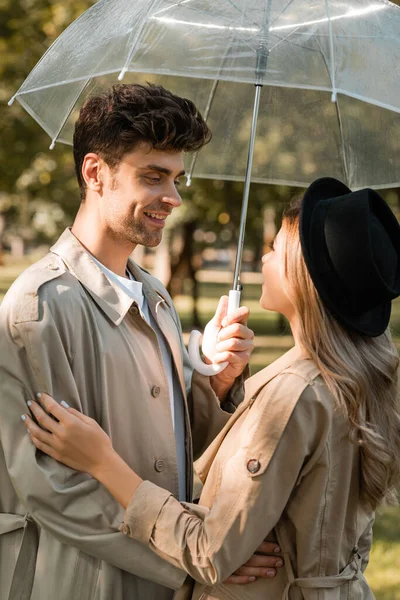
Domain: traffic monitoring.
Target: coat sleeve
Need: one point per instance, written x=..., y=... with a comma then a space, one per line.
x=248, y=505
x=71, y=506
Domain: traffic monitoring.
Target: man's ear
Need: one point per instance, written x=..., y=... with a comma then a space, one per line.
x=92, y=172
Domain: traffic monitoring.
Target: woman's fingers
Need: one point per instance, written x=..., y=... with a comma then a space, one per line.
x=43, y=418
x=59, y=411
x=36, y=431
x=79, y=415
x=45, y=448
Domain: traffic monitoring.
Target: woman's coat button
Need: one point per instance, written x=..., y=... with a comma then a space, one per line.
x=134, y=309
x=253, y=465
x=159, y=466
x=155, y=391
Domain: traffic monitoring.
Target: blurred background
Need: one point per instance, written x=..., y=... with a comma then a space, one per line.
x=39, y=198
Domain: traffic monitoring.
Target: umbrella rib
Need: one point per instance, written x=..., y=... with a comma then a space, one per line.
x=342, y=144
x=206, y=113
x=281, y=40
x=207, y=110
x=241, y=12
x=340, y=123
x=67, y=114
x=331, y=44
x=282, y=12
x=135, y=42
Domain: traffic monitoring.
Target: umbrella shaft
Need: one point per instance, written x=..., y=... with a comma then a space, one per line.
x=245, y=201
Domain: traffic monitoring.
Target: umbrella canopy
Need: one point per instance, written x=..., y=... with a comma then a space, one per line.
x=305, y=53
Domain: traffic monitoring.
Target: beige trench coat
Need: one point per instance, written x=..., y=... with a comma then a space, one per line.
x=283, y=466
x=66, y=330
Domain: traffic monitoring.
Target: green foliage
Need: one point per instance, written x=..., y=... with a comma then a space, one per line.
x=33, y=179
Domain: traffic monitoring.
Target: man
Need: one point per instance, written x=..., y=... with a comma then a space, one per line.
x=88, y=326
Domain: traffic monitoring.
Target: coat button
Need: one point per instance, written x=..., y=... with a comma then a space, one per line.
x=134, y=309
x=53, y=267
x=253, y=465
x=159, y=466
x=155, y=391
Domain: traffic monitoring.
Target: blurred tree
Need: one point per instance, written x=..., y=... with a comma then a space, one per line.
x=37, y=186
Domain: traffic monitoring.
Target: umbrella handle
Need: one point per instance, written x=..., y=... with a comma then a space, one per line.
x=194, y=343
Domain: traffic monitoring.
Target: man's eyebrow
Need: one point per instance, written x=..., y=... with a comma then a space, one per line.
x=160, y=169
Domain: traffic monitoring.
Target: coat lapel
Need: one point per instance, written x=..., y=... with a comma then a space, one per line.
x=252, y=387
x=162, y=312
x=169, y=328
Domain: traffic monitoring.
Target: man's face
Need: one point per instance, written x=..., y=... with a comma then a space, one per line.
x=139, y=195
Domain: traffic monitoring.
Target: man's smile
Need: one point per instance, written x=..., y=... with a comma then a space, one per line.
x=157, y=218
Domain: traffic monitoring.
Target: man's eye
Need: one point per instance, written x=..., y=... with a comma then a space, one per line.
x=177, y=183
x=153, y=179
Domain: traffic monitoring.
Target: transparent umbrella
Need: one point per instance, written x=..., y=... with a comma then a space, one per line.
x=292, y=89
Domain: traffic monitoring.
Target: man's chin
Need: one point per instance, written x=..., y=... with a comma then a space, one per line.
x=149, y=241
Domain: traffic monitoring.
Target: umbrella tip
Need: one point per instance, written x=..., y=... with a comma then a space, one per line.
x=11, y=101
x=122, y=74
x=188, y=180
x=334, y=96
x=52, y=145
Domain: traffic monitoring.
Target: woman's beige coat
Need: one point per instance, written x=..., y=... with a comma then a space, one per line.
x=66, y=330
x=282, y=466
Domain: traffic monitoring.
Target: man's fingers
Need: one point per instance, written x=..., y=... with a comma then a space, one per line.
x=221, y=311
x=234, y=358
x=240, y=315
x=268, y=573
x=239, y=579
x=237, y=330
x=261, y=560
x=269, y=548
x=235, y=345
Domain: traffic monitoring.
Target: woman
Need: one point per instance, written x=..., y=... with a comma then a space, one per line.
x=315, y=446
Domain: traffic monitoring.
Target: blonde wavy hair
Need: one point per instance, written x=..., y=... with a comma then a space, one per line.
x=361, y=373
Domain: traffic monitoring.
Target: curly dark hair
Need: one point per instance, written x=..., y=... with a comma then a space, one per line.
x=111, y=124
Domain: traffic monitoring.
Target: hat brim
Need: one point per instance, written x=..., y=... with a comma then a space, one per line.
x=371, y=323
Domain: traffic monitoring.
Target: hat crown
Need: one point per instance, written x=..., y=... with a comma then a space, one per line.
x=360, y=250
x=351, y=245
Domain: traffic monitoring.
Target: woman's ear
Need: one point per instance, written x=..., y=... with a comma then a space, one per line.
x=92, y=174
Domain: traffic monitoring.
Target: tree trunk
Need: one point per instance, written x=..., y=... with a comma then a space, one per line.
x=185, y=268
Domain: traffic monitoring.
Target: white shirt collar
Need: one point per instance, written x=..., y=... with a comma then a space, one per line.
x=132, y=287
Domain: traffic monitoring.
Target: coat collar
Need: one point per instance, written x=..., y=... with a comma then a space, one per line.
x=260, y=379
x=112, y=300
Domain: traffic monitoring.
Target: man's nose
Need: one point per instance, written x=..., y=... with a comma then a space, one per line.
x=173, y=197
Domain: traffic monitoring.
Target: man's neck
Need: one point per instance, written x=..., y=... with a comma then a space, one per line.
x=108, y=251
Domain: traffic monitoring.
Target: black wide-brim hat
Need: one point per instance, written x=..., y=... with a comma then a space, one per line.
x=351, y=246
